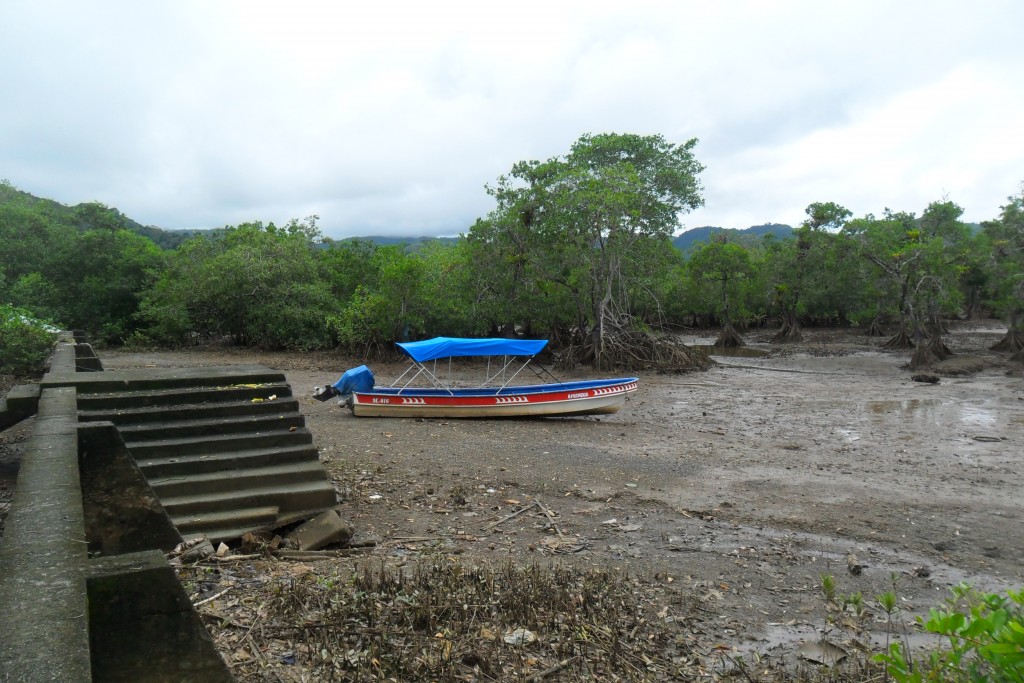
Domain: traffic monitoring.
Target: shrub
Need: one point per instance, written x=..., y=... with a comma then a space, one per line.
x=25, y=342
x=985, y=632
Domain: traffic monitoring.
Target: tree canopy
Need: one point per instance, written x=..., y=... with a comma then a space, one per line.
x=578, y=249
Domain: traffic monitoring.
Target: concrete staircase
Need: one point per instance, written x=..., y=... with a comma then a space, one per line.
x=224, y=449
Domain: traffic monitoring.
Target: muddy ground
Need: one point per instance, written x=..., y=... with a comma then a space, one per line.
x=741, y=485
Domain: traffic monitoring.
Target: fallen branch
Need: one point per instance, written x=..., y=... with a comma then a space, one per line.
x=551, y=518
x=211, y=598
x=541, y=675
x=319, y=554
x=512, y=516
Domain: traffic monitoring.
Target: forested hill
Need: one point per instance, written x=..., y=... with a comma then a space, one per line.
x=91, y=215
x=748, y=237
x=411, y=244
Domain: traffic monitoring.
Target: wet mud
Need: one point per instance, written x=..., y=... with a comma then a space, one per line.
x=738, y=487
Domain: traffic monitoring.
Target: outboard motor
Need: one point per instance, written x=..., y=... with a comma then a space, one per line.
x=356, y=379
x=324, y=393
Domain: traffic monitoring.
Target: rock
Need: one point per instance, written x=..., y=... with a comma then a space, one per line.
x=925, y=377
x=325, y=529
x=199, y=551
x=519, y=636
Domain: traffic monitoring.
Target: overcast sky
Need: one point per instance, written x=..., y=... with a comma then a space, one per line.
x=390, y=117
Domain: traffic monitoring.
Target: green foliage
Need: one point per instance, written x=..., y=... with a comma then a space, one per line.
x=586, y=224
x=985, y=635
x=1005, y=241
x=915, y=264
x=577, y=245
x=25, y=342
x=254, y=284
x=723, y=273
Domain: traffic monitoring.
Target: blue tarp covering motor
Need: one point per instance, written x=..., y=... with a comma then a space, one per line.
x=357, y=379
x=444, y=347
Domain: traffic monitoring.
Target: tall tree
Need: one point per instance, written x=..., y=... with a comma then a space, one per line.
x=1006, y=237
x=589, y=217
x=256, y=284
x=920, y=261
x=798, y=264
x=727, y=268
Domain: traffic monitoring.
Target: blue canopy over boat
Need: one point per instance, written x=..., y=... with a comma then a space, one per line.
x=444, y=347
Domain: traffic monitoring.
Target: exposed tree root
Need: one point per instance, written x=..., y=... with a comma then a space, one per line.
x=939, y=348
x=790, y=332
x=635, y=350
x=875, y=329
x=1012, y=341
x=923, y=356
x=902, y=340
x=729, y=338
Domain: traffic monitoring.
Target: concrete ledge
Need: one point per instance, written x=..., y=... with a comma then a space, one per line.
x=63, y=359
x=43, y=607
x=86, y=359
x=144, y=626
x=24, y=398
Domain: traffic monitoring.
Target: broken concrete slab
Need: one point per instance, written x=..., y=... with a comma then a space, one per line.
x=325, y=529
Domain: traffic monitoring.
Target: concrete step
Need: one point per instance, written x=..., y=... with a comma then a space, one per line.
x=227, y=481
x=187, y=446
x=189, y=411
x=113, y=400
x=177, y=465
x=287, y=497
x=228, y=533
x=142, y=379
x=237, y=424
x=195, y=524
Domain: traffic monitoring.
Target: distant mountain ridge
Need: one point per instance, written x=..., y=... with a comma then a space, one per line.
x=747, y=237
x=79, y=216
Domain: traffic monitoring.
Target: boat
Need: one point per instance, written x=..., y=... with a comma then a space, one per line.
x=495, y=396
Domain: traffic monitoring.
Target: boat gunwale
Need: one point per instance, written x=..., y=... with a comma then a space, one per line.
x=516, y=390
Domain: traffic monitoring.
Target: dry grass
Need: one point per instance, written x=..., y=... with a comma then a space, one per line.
x=441, y=620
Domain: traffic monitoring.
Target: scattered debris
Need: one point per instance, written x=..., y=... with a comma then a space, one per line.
x=520, y=636
x=196, y=550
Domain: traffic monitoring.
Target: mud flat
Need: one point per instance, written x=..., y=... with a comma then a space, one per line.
x=738, y=487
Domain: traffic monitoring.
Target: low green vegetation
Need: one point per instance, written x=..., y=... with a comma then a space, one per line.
x=25, y=342
x=984, y=641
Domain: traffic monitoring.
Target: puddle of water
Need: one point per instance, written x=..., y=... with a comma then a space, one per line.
x=849, y=435
x=730, y=351
x=938, y=412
